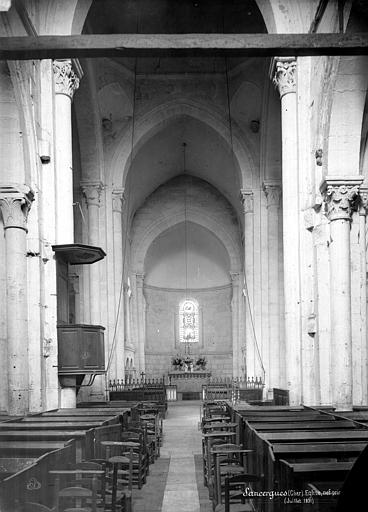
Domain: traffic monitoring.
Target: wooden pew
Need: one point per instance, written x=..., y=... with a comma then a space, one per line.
x=306, y=452
x=108, y=433
x=28, y=448
x=302, y=436
x=10, y=465
x=298, y=475
x=84, y=438
x=32, y=483
x=305, y=425
x=45, y=425
x=291, y=418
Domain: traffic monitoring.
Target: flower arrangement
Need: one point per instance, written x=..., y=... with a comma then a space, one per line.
x=201, y=362
x=177, y=361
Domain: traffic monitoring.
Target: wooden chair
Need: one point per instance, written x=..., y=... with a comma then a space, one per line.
x=208, y=441
x=119, y=476
x=76, y=498
x=235, y=498
x=152, y=423
x=229, y=461
x=137, y=441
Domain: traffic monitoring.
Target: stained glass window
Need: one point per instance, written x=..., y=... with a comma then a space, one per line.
x=188, y=321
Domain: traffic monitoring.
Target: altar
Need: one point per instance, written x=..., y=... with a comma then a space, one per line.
x=189, y=383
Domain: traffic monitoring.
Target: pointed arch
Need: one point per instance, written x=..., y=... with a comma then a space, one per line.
x=153, y=121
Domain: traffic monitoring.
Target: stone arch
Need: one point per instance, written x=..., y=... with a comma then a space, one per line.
x=153, y=121
x=195, y=215
x=344, y=130
x=287, y=16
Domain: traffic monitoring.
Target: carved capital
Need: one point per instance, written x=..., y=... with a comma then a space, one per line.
x=15, y=203
x=92, y=192
x=363, y=200
x=284, y=77
x=340, y=195
x=118, y=199
x=235, y=278
x=139, y=278
x=246, y=197
x=272, y=191
x=66, y=80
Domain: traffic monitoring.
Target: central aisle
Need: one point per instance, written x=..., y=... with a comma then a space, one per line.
x=182, y=440
x=175, y=482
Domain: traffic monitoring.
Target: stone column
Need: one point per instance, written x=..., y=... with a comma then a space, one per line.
x=66, y=83
x=141, y=322
x=363, y=208
x=273, y=195
x=340, y=194
x=15, y=202
x=235, y=323
x=284, y=79
x=92, y=194
x=117, y=206
x=252, y=367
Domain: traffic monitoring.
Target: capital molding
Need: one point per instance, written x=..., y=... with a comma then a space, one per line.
x=341, y=194
x=272, y=190
x=246, y=197
x=118, y=199
x=363, y=200
x=139, y=278
x=284, y=75
x=15, y=203
x=65, y=78
x=91, y=191
x=235, y=277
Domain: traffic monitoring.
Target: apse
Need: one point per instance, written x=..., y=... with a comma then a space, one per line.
x=187, y=256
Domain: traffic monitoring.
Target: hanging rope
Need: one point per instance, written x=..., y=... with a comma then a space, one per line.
x=245, y=278
x=126, y=226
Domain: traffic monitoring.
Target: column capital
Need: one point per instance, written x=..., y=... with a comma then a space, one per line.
x=363, y=200
x=246, y=197
x=139, y=278
x=340, y=194
x=272, y=190
x=118, y=199
x=15, y=203
x=65, y=77
x=92, y=192
x=235, y=277
x=284, y=78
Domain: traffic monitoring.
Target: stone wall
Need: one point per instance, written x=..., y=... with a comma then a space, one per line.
x=215, y=336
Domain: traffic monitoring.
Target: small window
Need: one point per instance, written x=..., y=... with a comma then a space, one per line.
x=188, y=321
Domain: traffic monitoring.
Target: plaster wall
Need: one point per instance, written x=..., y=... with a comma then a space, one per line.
x=162, y=327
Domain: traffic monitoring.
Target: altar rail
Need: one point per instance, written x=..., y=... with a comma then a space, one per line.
x=128, y=384
x=138, y=390
x=239, y=389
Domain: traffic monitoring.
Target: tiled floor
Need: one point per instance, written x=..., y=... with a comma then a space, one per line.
x=175, y=483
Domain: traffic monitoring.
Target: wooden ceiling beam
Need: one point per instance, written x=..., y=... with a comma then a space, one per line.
x=153, y=45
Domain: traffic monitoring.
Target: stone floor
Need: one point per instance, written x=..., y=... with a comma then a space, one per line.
x=175, y=482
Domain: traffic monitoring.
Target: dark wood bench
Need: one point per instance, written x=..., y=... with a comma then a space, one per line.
x=46, y=425
x=84, y=438
x=265, y=426
x=32, y=482
x=291, y=418
x=302, y=436
x=108, y=420
x=306, y=452
x=28, y=448
x=297, y=475
x=10, y=465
